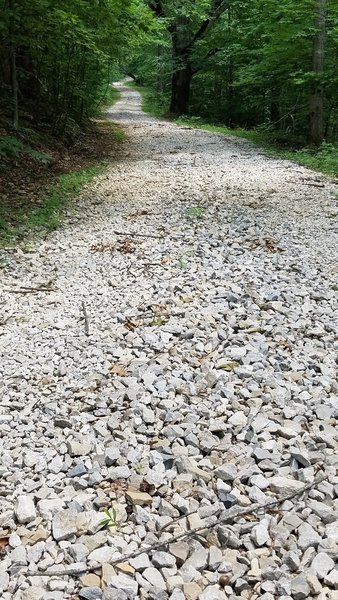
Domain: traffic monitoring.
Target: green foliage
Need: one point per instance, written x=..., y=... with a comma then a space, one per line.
x=48, y=216
x=66, y=54
x=195, y=212
x=11, y=147
x=252, y=68
x=111, y=518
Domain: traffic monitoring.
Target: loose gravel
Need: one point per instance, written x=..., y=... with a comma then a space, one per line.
x=179, y=362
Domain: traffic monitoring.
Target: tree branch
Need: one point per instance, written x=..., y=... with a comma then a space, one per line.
x=228, y=517
x=156, y=7
x=220, y=6
x=211, y=52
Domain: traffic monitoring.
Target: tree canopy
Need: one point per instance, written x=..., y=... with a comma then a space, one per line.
x=248, y=63
x=59, y=55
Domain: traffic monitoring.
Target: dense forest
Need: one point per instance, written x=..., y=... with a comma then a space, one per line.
x=57, y=57
x=242, y=63
x=248, y=63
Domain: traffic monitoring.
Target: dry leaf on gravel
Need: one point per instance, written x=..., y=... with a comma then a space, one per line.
x=126, y=246
x=268, y=244
x=129, y=324
x=103, y=247
x=119, y=370
x=147, y=488
x=4, y=541
x=140, y=213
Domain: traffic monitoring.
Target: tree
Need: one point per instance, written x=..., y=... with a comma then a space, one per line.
x=250, y=63
x=316, y=130
x=187, y=24
x=56, y=57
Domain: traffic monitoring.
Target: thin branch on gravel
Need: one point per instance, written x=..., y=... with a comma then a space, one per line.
x=86, y=320
x=231, y=515
x=30, y=290
x=143, y=235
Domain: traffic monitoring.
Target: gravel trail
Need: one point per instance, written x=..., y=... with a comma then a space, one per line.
x=179, y=361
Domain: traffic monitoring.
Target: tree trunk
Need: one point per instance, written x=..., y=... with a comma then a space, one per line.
x=316, y=129
x=13, y=66
x=15, y=89
x=275, y=117
x=180, y=91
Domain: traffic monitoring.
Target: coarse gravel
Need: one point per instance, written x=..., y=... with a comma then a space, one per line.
x=180, y=361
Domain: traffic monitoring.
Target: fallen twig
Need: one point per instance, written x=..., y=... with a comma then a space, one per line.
x=143, y=235
x=230, y=516
x=86, y=320
x=30, y=290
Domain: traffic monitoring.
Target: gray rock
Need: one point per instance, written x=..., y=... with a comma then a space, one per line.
x=331, y=579
x=212, y=592
x=198, y=558
x=127, y=585
x=78, y=449
x=227, y=472
x=163, y=559
x=260, y=534
x=154, y=577
x=4, y=580
x=285, y=485
x=102, y=555
x=322, y=564
x=238, y=419
x=259, y=481
x=215, y=558
x=34, y=593
x=19, y=556
x=307, y=537
x=300, y=588
x=177, y=595
x=301, y=456
x=78, y=471
x=292, y=560
x=114, y=594
x=323, y=511
x=25, y=510
x=141, y=562
x=91, y=593
x=111, y=456
x=64, y=525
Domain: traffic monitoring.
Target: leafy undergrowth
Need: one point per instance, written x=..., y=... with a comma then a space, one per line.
x=324, y=159
x=37, y=183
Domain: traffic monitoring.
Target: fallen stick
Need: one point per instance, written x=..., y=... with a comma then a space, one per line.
x=29, y=290
x=86, y=320
x=228, y=519
x=133, y=234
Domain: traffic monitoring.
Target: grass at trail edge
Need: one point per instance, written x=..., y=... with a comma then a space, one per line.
x=323, y=159
x=37, y=188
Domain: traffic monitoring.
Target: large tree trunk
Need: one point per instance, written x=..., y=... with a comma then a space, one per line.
x=180, y=91
x=14, y=71
x=316, y=129
x=15, y=89
x=182, y=75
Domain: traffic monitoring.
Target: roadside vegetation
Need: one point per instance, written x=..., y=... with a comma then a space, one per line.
x=323, y=159
x=38, y=184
